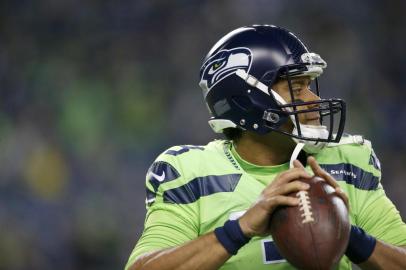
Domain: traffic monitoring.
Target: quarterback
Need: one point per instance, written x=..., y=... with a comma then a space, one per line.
x=208, y=207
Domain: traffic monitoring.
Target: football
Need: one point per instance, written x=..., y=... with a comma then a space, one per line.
x=314, y=234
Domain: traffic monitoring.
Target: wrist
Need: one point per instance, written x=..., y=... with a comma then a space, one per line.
x=231, y=236
x=360, y=245
x=245, y=229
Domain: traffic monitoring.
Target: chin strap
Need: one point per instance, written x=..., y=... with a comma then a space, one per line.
x=296, y=153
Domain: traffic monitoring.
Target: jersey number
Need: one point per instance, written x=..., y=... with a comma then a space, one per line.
x=184, y=149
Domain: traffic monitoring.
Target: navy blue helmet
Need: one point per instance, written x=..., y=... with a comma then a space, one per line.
x=237, y=77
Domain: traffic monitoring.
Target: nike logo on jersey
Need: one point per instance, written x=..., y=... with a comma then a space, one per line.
x=160, y=178
x=161, y=172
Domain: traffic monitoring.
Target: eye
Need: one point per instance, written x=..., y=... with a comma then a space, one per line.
x=296, y=90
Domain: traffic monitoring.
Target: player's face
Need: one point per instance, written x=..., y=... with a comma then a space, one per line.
x=301, y=93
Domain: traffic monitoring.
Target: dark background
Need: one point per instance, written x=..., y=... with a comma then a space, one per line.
x=92, y=91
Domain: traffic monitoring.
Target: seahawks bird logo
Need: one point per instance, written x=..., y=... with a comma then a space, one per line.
x=223, y=64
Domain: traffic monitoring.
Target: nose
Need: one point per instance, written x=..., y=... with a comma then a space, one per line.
x=310, y=95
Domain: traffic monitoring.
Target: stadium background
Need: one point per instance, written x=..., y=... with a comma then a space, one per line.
x=92, y=91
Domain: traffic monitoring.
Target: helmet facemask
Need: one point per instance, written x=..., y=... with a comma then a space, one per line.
x=331, y=111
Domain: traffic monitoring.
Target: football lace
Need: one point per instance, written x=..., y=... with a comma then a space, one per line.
x=305, y=206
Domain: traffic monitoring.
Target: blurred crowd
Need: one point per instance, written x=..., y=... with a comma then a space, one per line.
x=92, y=91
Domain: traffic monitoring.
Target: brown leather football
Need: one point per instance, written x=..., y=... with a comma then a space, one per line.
x=315, y=234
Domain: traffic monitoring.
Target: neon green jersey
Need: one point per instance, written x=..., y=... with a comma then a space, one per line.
x=191, y=190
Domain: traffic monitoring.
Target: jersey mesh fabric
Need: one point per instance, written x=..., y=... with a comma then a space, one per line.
x=214, y=184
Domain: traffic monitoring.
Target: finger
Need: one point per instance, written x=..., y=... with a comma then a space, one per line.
x=275, y=201
x=329, y=179
x=297, y=164
x=286, y=188
x=290, y=175
x=318, y=171
x=343, y=196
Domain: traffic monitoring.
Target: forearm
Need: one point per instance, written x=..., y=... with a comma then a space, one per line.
x=386, y=256
x=203, y=253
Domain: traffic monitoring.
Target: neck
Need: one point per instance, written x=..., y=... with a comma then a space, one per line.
x=265, y=150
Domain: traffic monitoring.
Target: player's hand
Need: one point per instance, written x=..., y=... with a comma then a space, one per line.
x=318, y=171
x=255, y=222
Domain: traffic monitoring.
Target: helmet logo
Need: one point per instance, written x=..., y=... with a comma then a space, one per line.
x=223, y=64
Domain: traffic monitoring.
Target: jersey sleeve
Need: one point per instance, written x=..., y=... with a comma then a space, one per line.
x=380, y=218
x=376, y=213
x=168, y=222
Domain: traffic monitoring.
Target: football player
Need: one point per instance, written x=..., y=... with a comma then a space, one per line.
x=209, y=206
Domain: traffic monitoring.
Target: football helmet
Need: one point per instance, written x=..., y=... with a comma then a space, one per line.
x=237, y=77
